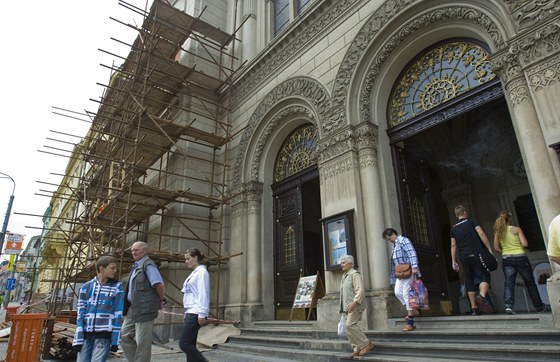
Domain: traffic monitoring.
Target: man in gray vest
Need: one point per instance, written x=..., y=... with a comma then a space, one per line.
x=144, y=297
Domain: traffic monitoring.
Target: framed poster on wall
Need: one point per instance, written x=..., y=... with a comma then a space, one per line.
x=338, y=234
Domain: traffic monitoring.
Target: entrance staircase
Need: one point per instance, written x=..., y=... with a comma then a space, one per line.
x=521, y=337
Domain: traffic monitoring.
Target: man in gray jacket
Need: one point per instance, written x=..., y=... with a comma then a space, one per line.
x=144, y=297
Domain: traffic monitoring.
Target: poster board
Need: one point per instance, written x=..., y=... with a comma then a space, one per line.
x=309, y=289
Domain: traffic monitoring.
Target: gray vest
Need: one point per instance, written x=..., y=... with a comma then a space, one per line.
x=347, y=292
x=145, y=301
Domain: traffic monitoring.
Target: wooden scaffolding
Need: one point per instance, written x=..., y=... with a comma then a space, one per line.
x=153, y=166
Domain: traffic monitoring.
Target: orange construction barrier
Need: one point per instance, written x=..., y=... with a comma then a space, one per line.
x=10, y=311
x=26, y=337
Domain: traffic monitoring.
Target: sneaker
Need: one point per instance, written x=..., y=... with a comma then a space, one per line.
x=483, y=305
x=545, y=308
x=509, y=311
x=475, y=311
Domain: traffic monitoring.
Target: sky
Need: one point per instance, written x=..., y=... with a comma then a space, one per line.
x=50, y=58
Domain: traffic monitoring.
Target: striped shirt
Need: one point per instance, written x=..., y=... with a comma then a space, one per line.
x=100, y=309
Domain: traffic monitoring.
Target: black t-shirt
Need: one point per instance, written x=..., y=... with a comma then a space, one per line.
x=466, y=237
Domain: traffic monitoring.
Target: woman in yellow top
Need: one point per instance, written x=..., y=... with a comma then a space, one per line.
x=511, y=242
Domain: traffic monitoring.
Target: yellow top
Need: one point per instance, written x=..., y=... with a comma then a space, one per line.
x=554, y=237
x=511, y=245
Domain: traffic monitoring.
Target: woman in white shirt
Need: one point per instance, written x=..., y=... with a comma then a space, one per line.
x=196, y=300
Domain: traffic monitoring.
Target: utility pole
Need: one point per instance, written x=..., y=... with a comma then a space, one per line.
x=5, y=228
x=8, y=212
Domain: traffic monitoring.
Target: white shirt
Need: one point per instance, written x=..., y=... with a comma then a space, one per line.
x=196, y=292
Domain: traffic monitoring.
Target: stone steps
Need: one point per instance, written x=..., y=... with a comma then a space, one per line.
x=529, y=337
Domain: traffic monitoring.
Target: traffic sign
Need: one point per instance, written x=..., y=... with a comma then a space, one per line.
x=11, y=284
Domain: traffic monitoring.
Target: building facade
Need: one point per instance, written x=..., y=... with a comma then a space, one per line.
x=399, y=140
x=351, y=116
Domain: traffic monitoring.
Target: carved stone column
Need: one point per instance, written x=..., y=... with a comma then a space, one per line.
x=254, y=270
x=245, y=270
x=236, y=287
x=529, y=69
x=366, y=144
x=381, y=299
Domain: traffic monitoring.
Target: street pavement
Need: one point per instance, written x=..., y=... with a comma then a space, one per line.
x=161, y=354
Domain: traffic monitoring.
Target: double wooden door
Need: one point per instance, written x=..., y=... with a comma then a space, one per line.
x=298, y=248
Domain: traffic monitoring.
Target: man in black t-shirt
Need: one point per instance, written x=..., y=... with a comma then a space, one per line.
x=464, y=236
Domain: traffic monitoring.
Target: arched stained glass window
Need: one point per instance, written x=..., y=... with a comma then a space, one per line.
x=437, y=76
x=298, y=152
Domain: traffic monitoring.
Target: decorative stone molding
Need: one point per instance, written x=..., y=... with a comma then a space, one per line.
x=337, y=166
x=368, y=158
x=366, y=136
x=537, y=45
x=239, y=210
x=237, y=195
x=304, y=88
x=544, y=74
x=254, y=191
x=335, y=146
x=366, y=144
x=528, y=13
x=518, y=91
x=271, y=125
x=441, y=15
x=506, y=65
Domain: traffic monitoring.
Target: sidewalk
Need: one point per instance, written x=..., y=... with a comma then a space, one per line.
x=162, y=354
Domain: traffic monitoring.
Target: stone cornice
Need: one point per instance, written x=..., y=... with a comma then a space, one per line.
x=324, y=16
x=528, y=49
x=529, y=13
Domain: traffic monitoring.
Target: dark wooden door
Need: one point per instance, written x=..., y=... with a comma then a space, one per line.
x=288, y=246
x=418, y=217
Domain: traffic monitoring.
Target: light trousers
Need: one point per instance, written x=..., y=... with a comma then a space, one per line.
x=402, y=288
x=136, y=340
x=355, y=335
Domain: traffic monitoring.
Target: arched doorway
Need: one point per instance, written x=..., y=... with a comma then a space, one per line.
x=298, y=248
x=452, y=142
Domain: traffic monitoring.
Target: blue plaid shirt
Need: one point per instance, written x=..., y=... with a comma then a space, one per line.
x=403, y=253
x=100, y=308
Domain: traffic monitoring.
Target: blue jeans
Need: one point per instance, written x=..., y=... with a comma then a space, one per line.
x=512, y=265
x=94, y=350
x=187, y=343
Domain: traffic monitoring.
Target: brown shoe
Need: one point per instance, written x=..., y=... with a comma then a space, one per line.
x=408, y=328
x=366, y=349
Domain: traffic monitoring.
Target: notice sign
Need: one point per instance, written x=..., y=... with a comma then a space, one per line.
x=21, y=267
x=304, y=291
x=14, y=243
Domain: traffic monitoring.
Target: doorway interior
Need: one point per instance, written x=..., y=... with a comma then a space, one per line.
x=475, y=159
